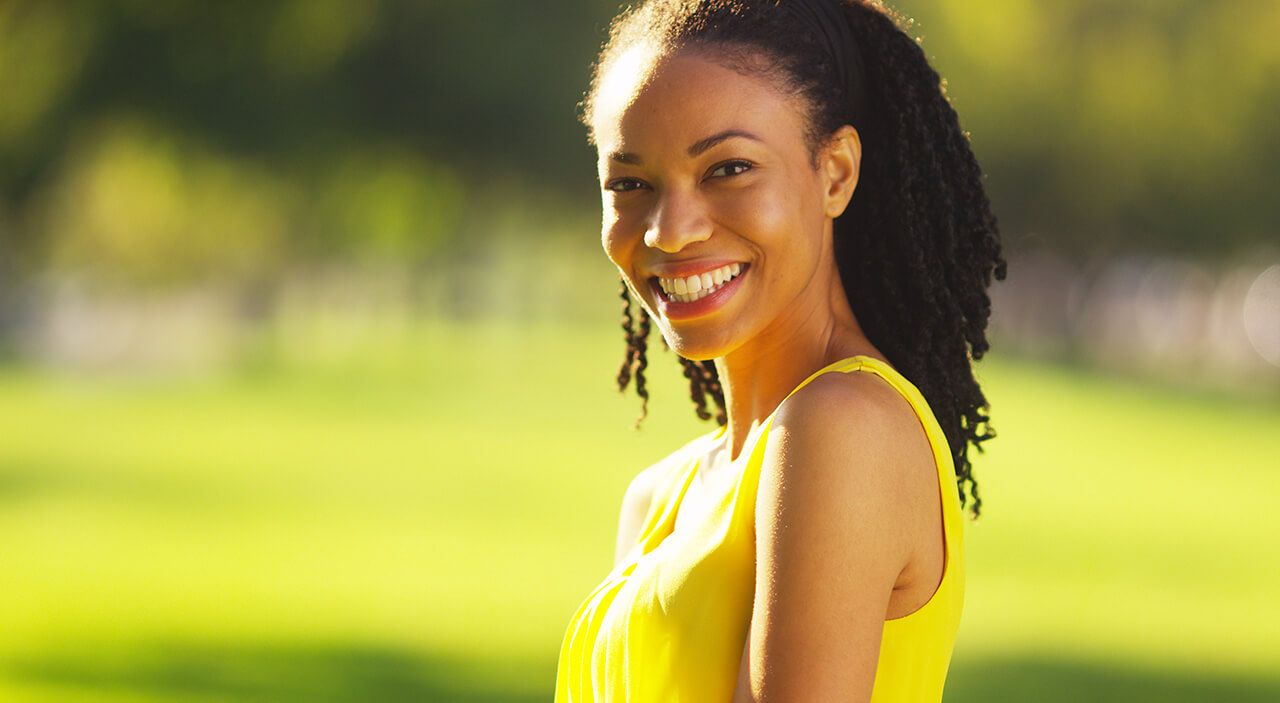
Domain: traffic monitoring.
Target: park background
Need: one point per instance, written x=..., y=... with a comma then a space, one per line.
x=307, y=347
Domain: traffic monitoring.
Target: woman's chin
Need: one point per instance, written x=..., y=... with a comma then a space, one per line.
x=694, y=347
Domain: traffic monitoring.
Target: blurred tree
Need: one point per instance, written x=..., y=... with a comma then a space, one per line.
x=138, y=205
x=379, y=127
x=1138, y=125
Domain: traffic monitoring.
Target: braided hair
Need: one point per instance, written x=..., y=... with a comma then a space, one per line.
x=918, y=245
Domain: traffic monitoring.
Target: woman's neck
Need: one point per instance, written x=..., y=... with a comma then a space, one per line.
x=757, y=376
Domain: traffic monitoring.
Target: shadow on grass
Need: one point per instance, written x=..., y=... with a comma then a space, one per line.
x=1045, y=680
x=259, y=675
x=338, y=675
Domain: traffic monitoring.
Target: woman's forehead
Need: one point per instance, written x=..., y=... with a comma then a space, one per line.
x=622, y=79
x=644, y=96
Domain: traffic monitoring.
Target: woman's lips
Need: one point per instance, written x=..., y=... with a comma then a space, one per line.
x=694, y=295
x=688, y=289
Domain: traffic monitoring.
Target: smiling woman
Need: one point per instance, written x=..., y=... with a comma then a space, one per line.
x=788, y=195
x=704, y=148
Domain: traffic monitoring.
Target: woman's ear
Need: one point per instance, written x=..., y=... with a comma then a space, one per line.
x=840, y=166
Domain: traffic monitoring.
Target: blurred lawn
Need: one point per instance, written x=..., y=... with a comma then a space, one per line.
x=417, y=517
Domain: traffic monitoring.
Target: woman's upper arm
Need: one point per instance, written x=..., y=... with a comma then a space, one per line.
x=832, y=537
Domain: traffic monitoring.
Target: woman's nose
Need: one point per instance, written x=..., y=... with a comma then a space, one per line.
x=679, y=220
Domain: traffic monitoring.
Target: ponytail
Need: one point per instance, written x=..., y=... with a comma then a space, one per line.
x=918, y=245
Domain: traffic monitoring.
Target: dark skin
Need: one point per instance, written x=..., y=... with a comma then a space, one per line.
x=704, y=167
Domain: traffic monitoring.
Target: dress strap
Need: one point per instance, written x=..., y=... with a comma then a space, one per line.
x=852, y=363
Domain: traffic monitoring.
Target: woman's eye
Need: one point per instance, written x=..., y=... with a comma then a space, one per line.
x=730, y=168
x=623, y=185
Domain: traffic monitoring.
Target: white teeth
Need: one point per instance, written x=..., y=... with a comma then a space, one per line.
x=696, y=287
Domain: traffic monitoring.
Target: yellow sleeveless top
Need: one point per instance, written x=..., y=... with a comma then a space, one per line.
x=670, y=621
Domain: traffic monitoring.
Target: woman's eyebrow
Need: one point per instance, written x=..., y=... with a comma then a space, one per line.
x=698, y=147
x=625, y=157
x=707, y=142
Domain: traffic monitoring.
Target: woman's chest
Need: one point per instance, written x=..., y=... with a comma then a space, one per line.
x=710, y=494
x=675, y=617
x=688, y=602
x=676, y=628
x=706, y=549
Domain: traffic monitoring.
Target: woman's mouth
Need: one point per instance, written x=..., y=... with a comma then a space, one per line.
x=690, y=289
x=687, y=297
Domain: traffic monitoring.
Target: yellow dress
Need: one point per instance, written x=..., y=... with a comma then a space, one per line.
x=669, y=622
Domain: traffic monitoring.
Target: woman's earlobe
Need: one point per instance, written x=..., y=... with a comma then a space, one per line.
x=842, y=165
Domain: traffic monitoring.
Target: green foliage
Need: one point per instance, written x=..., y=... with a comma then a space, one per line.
x=386, y=202
x=1119, y=125
x=373, y=129
x=141, y=205
x=43, y=47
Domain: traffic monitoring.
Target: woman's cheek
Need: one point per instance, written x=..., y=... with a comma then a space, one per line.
x=611, y=237
x=755, y=212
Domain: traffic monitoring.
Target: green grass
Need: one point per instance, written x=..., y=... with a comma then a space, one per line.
x=416, y=519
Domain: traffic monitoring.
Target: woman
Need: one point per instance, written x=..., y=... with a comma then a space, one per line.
x=788, y=195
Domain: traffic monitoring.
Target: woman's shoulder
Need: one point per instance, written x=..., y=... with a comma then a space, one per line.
x=845, y=447
x=841, y=417
x=861, y=397
x=646, y=485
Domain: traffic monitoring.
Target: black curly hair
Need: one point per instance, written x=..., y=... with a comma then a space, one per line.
x=917, y=246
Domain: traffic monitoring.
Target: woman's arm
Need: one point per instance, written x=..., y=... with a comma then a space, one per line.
x=848, y=500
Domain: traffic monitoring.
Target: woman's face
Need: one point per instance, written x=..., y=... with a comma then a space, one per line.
x=714, y=211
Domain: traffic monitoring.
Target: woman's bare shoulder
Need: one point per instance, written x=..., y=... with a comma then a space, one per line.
x=853, y=432
x=640, y=493
x=853, y=411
